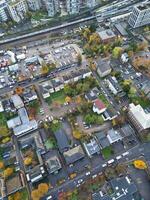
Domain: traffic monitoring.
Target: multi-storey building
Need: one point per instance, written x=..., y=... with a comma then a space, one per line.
x=140, y=16
x=17, y=9
x=34, y=4
x=73, y=6
x=52, y=7
x=90, y=3
x=139, y=117
x=3, y=11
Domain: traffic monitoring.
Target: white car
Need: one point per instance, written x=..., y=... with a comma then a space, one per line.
x=50, y=197
x=111, y=161
x=104, y=165
x=80, y=181
x=125, y=154
x=94, y=176
x=88, y=173
x=118, y=157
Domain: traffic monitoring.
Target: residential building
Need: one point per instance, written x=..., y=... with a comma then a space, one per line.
x=106, y=35
x=58, y=84
x=52, y=162
x=98, y=106
x=114, y=86
x=18, y=179
x=140, y=15
x=34, y=4
x=109, y=114
x=146, y=89
x=22, y=124
x=114, y=136
x=103, y=67
x=92, y=95
x=52, y=7
x=4, y=15
x=91, y=147
x=46, y=88
x=73, y=6
x=139, y=117
x=124, y=57
x=17, y=9
x=90, y=3
x=17, y=101
x=29, y=94
x=122, y=189
x=73, y=155
x=102, y=139
x=63, y=143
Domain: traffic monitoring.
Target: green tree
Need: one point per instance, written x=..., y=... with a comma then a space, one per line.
x=117, y=52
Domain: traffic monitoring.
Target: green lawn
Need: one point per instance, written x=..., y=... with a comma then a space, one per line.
x=143, y=102
x=104, y=100
x=57, y=97
x=107, y=152
x=39, y=15
x=50, y=143
x=3, y=125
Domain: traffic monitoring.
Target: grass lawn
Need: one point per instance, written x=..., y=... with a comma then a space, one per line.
x=3, y=125
x=57, y=97
x=104, y=100
x=107, y=152
x=50, y=143
x=39, y=15
x=143, y=102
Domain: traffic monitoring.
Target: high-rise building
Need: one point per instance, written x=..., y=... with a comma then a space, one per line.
x=90, y=3
x=34, y=5
x=17, y=9
x=3, y=11
x=52, y=7
x=73, y=6
x=140, y=16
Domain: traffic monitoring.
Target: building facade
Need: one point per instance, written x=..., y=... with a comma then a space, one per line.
x=4, y=15
x=73, y=6
x=140, y=16
x=17, y=9
x=52, y=7
x=34, y=4
x=90, y=3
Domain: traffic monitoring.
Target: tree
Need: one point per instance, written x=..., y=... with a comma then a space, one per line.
x=8, y=172
x=35, y=195
x=19, y=90
x=68, y=99
x=77, y=134
x=28, y=161
x=94, y=39
x=1, y=165
x=86, y=33
x=117, y=52
x=139, y=164
x=43, y=188
x=130, y=53
x=29, y=14
x=17, y=196
x=45, y=69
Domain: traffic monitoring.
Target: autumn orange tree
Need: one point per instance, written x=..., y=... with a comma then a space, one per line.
x=139, y=164
x=28, y=161
x=35, y=195
x=43, y=188
x=19, y=90
x=8, y=172
x=1, y=165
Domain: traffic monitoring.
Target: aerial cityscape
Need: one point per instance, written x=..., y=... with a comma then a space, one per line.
x=74, y=99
